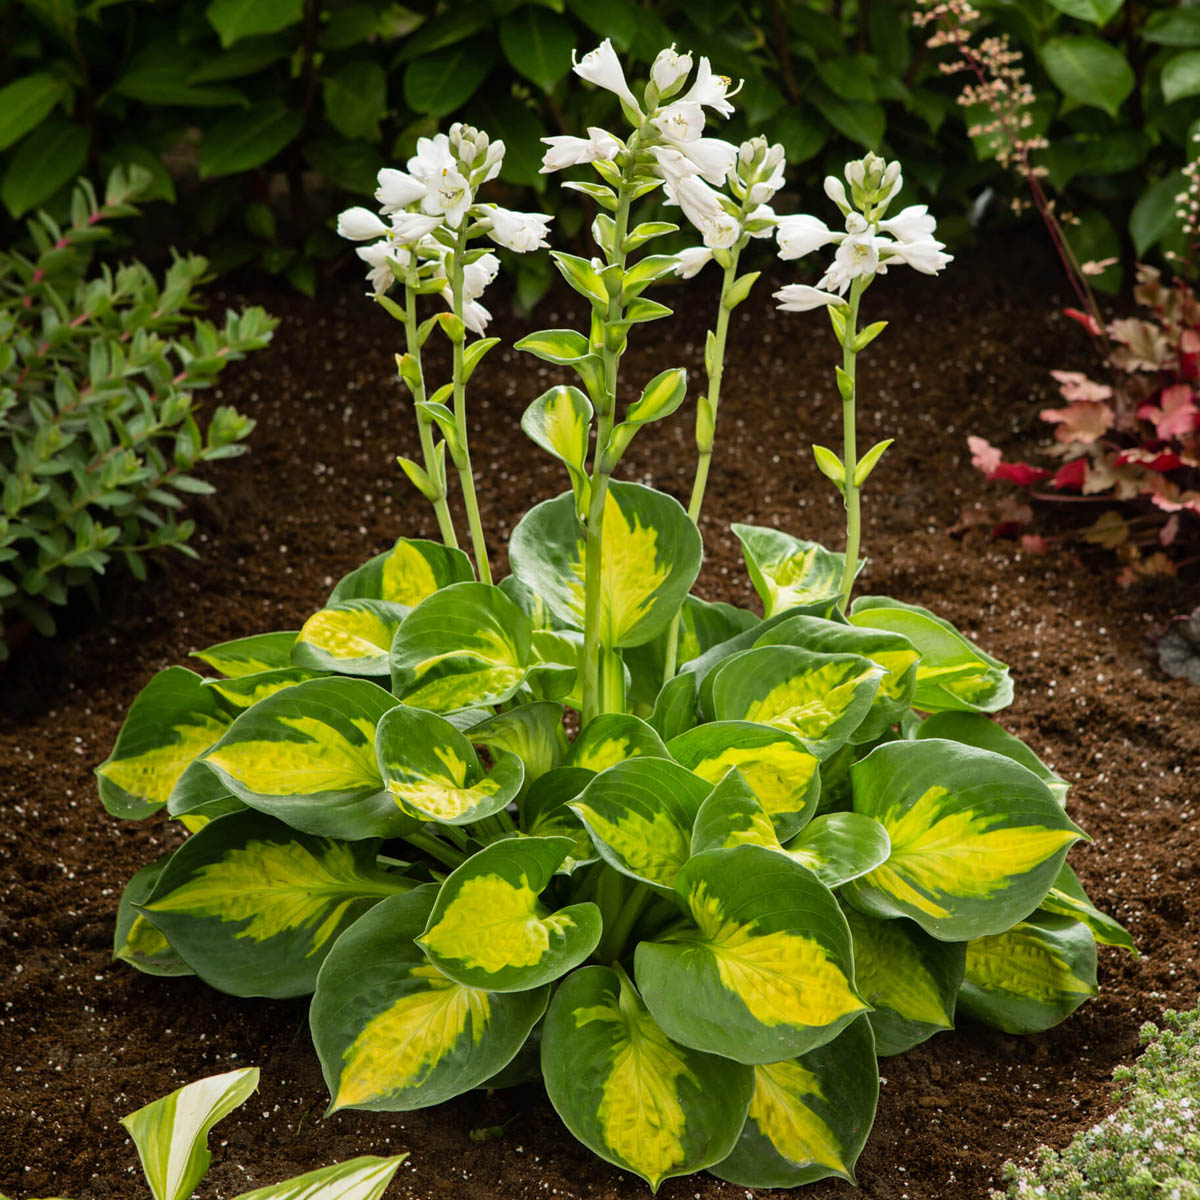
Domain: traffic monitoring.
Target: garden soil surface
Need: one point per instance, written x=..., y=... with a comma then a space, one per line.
x=84, y=1040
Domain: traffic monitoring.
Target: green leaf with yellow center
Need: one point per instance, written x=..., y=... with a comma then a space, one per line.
x=307, y=756
x=253, y=906
x=776, y=765
x=611, y=738
x=412, y=570
x=545, y=813
x=1030, y=977
x=467, y=646
x=135, y=940
x=364, y=1178
x=173, y=720
x=821, y=698
x=199, y=796
x=787, y=571
x=810, y=1116
x=977, y=839
x=627, y=1091
x=954, y=674
x=352, y=637
x=640, y=815
x=250, y=655
x=247, y=690
x=651, y=555
x=392, y=1032
x=1068, y=899
x=533, y=732
x=559, y=421
x=895, y=654
x=490, y=929
x=766, y=973
x=910, y=979
x=432, y=772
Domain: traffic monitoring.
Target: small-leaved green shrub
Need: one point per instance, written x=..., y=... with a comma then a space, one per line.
x=1149, y=1149
x=101, y=426
x=777, y=847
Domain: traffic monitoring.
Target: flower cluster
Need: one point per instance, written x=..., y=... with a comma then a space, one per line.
x=870, y=242
x=427, y=214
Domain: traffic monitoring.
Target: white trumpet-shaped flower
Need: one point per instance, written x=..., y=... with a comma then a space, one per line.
x=517, y=231
x=379, y=256
x=689, y=263
x=433, y=156
x=799, y=297
x=602, y=67
x=702, y=206
x=764, y=212
x=449, y=196
x=711, y=158
x=800, y=235
x=923, y=254
x=413, y=226
x=912, y=224
x=670, y=68
x=711, y=90
x=360, y=225
x=566, y=151
x=397, y=190
x=682, y=121
x=857, y=254
x=476, y=317
x=835, y=189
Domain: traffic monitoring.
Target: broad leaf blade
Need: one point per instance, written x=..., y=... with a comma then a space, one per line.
x=135, y=940
x=787, y=571
x=410, y=571
x=612, y=738
x=250, y=655
x=352, y=637
x=363, y=1178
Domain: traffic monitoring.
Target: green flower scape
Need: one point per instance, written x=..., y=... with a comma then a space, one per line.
x=778, y=846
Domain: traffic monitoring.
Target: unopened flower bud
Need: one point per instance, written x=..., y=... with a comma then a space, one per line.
x=670, y=70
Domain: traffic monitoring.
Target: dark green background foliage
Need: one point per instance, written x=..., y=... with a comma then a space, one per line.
x=260, y=116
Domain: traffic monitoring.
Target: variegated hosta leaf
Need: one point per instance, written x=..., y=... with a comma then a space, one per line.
x=174, y=719
x=466, y=646
x=307, y=756
x=810, y=1116
x=253, y=906
x=895, y=654
x=776, y=765
x=786, y=571
x=821, y=698
x=651, y=556
x=611, y=738
x=406, y=574
x=433, y=773
x=490, y=929
x=135, y=940
x=392, y=1032
x=559, y=421
x=954, y=674
x=627, y=1091
x=363, y=1178
x=532, y=605
x=977, y=839
x=249, y=655
x=533, y=732
x=247, y=690
x=1030, y=977
x=545, y=813
x=1068, y=899
x=171, y=1134
x=675, y=708
x=200, y=796
x=352, y=637
x=640, y=814
x=974, y=729
x=910, y=979
x=559, y=652
x=768, y=971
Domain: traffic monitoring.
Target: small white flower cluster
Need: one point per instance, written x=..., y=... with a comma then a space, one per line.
x=427, y=213
x=869, y=244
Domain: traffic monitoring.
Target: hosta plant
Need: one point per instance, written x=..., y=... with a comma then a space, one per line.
x=171, y=1136
x=778, y=845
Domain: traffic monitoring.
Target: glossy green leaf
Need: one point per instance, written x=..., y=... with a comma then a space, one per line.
x=364, y=1178
x=392, y=1032
x=1173, y=27
x=954, y=674
x=307, y=756
x=436, y=84
x=352, y=637
x=910, y=979
x=171, y=1134
x=838, y=847
x=538, y=43
x=466, y=646
x=248, y=690
x=651, y=556
x=253, y=906
x=26, y=102
x=675, y=707
x=766, y=973
x=135, y=940
x=545, y=812
x=42, y=164
x=559, y=421
x=489, y=927
x=1068, y=899
x=244, y=140
x=1089, y=71
x=1096, y=12
x=1153, y=216
x=810, y=1115
x=533, y=732
x=1181, y=76
x=1030, y=977
x=820, y=698
x=250, y=655
x=640, y=814
x=627, y=1091
x=237, y=19
x=200, y=796
x=611, y=738
x=174, y=719
x=432, y=772
x=355, y=96
x=410, y=571
x=977, y=839
x=787, y=571
x=659, y=398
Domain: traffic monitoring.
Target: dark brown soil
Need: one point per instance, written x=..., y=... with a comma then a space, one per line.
x=83, y=1040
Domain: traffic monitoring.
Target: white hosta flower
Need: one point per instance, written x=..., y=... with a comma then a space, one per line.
x=764, y=212
x=397, y=190
x=835, y=189
x=476, y=317
x=689, y=263
x=379, y=256
x=673, y=166
x=598, y=146
x=702, y=206
x=517, y=231
x=449, y=196
x=412, y=227
x=799, y=297
x=360, y=225
x=801, y=235
x=602, y=67
x=670, y=68
x=682, y=121
x=912, y=224
x=857, y=255
x=476, y=277
x=433, y=156
x=710, y=90
x=494, y=160
x=711, y=158
x=924, y=255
